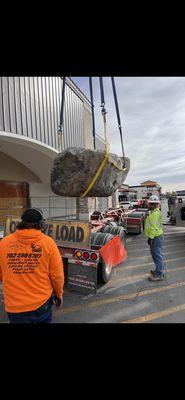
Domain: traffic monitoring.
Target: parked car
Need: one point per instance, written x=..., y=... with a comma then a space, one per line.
x=126, y=205
x=134, y=204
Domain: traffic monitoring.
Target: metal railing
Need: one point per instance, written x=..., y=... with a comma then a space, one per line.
x=53, y=207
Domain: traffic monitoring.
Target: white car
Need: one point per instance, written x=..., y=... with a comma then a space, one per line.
x=134, y=204
x=126, y=205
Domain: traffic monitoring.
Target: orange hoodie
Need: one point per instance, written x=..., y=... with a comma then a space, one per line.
x=31, y=268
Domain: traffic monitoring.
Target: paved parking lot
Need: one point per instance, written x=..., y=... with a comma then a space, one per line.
x=129, y=297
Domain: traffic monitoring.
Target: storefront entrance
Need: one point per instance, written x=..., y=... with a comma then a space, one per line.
x=14, y=199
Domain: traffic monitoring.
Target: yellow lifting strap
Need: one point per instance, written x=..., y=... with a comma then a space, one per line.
x=105, y=160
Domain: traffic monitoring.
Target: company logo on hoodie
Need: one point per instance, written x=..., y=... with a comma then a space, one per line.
x=36, y=248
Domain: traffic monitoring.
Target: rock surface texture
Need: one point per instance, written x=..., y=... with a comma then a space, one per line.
x=74, y=168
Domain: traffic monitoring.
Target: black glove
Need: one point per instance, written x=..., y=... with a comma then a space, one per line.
x=58, y=302
x=149, y=241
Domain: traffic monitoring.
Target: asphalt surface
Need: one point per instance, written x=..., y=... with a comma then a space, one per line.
x=129, y=297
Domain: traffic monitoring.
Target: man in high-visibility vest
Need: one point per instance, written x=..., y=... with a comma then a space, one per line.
x=154, y=231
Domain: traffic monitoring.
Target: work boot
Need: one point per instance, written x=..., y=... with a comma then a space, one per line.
x=153, y=272
x=155, y=278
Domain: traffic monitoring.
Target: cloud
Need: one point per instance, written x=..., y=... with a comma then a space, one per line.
x=152, y=112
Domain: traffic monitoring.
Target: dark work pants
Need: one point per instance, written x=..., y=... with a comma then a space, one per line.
x=42, y=315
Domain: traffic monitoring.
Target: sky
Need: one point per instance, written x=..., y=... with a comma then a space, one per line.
x=152, y=111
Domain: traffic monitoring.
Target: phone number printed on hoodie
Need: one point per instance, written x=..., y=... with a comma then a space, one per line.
x=23, y=263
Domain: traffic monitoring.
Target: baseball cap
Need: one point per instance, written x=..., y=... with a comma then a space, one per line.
x=32, y=215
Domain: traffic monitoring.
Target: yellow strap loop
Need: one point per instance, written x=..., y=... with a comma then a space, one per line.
x=116, y=166
x=105, y=160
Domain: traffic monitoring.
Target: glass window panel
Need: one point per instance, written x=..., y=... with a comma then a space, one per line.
x=12, y=105
x=23, y=107
x=37, y=110
x=48, y=109
x=55, y=113
x=28, y=107
x=6, y=108
x=40, y=96
x=76, y=117
x=33, y=118
x=45, y=110
x=51, y=109
x=2, y=127
x=18, y=107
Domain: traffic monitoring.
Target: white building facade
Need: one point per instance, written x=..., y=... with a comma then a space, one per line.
x=29, y=142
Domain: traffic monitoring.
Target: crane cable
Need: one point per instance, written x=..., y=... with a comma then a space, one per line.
x=92, y=110
x=104, y=112
x=107, y=151
x=60, y=130
x=118, y=115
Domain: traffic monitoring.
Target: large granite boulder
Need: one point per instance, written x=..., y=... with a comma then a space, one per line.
x=74, y=168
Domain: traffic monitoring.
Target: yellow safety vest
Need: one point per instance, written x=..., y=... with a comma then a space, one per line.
x=153, y=224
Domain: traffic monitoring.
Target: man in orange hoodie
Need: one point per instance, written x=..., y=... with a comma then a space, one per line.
x=31, y=270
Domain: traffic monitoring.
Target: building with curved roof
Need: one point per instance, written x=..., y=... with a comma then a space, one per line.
x=29, y=140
